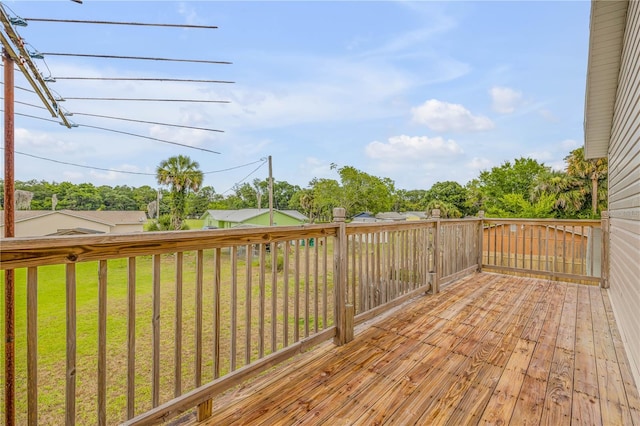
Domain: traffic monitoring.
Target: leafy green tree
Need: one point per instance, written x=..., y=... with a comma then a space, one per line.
x=451, y=193
x=303, y=201
x=516, y=205
x=411, y=200
x=198, y=202
x=364, y=192
x=488, y=191
x=326, y=194
x=246, y=196
x=447, y=210
x=182, y=175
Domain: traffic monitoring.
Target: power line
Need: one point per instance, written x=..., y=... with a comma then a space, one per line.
x=122, y=133
x=147, y=122
x=20, y=88
x=143, y=24
x=148, y=100
x=233, y=168
x=142, y=58
x=124, y=119
x=186, y=80
x=31, y=105
x=149, y=137
x=244, y=178
x=67, y=163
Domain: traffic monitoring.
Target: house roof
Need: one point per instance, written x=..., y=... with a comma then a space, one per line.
x=238, y=216
x=111, y=218
x=421, y=215
x=608, y=21
x=391, y=216
x=75, y=231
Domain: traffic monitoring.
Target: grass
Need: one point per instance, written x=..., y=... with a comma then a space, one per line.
x=52, y=329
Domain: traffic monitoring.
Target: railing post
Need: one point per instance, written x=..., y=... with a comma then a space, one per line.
x=435, y=286
x=344, y=311
x=604, y=266
x=480, y=238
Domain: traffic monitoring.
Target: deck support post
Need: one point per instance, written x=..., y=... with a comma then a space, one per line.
x=435, y=286
x=342, y=306
x=480, y=238
x=604, y=266
x=205, y=410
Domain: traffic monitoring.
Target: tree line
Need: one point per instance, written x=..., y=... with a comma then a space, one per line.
x=523, y=187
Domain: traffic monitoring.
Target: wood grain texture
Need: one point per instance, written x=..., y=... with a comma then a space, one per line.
x=457, y=357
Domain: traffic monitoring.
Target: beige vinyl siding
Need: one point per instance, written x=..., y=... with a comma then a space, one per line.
x=46, y=225
x=624, y=193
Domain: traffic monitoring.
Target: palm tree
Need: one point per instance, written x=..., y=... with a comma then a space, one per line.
x=566, y=190
x=307, y=202
x=182, y=175
x=593, y=170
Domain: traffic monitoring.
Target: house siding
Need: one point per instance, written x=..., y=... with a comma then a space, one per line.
x=47, y=225
x=624, y=193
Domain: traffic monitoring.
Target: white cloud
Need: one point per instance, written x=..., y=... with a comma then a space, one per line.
x=31, y=141
x=479, y=163
x=548, y=115
x=314, y=167
x=416, y=148
x=505, y=100
x=446, y=117
x=569, y=145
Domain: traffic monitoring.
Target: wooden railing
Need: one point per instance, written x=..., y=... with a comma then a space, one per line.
x=558, y=249
x=117, y=325
x=138, y=328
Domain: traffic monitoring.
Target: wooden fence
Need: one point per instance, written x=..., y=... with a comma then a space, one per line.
x=138, y=328
x=558, y=249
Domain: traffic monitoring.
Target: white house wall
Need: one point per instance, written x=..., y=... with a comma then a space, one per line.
x=624, y=193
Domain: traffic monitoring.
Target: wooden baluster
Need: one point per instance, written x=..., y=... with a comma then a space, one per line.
x=102, y=343
x=296, y=292
x=155, y=322
x=261, y=307
x=285, y=295
x=131, y=336
x=70, y=391
x=216, y=309
x=32, y=347
x=325, y=285
x=177, y=353
x=247, y=304
x=274, y=297
x=234, y=307
x=307, y=300
x=316, y=295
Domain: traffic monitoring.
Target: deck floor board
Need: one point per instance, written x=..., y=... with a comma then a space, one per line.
x=487, y=349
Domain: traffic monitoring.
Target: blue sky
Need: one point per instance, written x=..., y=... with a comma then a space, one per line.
x=419, y=92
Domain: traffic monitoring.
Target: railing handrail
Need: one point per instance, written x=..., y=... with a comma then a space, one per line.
x=543, y=222
x=40, y=251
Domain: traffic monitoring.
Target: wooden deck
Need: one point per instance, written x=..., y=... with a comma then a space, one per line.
x=488, y=349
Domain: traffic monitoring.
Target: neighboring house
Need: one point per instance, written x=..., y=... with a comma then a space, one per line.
x=612, y=129
x=251, y=217
x=391, y=217
x=363, y=218
x=38, y=223
x=416, y=215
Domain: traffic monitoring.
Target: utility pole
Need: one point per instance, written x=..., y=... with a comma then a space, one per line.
x=9, y=232
x=270, y=193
